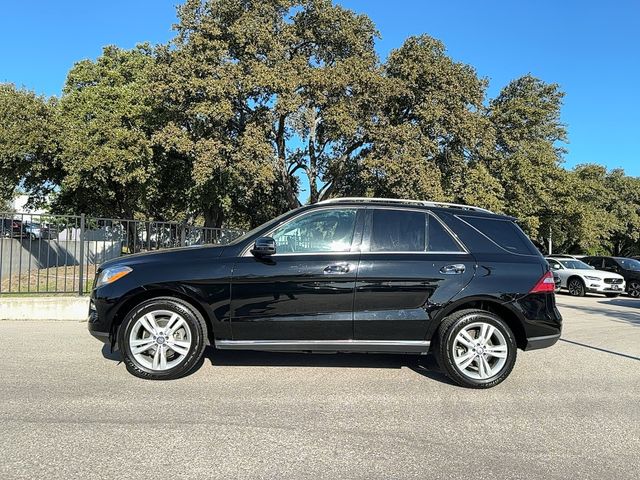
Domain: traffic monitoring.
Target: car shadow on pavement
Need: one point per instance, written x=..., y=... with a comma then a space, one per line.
x=631, y=317
x=424, y=365
x=600, y=349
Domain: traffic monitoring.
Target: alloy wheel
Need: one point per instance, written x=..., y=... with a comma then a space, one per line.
x=160, y=340
x=480, y=351
x=575, y=287
x=634, y=289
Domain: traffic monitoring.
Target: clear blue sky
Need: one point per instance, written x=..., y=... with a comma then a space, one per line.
x=591, y=48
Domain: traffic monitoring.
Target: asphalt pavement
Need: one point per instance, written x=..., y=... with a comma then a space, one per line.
x=572, y=411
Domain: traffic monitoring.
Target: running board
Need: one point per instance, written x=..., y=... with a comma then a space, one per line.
x=378, y=346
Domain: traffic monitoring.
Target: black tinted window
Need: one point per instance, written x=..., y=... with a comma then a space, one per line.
x=439, y=239
x=398, y=231
x=503, y=232
x=593, y=261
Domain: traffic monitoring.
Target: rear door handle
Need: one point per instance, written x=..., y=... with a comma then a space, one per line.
x=455, y=269
x=338, y=268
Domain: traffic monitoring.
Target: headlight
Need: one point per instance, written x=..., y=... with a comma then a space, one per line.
x=111, y=274
x=595, y=279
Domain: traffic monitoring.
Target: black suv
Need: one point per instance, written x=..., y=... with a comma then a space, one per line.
x=344, y=275
x=629, y=268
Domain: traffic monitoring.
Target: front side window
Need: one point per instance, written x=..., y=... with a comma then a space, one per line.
x=323, y=231
x=629, y=264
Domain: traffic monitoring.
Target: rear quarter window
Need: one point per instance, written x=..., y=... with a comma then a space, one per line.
x=505, y=233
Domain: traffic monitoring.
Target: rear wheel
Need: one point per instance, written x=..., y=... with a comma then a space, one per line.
x=162, y=338
x=476, y=348
x=576, y=287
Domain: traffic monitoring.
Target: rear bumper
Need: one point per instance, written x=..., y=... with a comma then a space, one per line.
x=534, y=343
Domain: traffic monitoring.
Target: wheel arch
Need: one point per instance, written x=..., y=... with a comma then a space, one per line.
x=576, y=276
x=145, y=295
x=488, y=304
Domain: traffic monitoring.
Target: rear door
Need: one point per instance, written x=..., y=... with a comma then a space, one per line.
x=410, y=265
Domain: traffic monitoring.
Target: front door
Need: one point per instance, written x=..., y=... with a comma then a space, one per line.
x=305, y=291
x=410, y=265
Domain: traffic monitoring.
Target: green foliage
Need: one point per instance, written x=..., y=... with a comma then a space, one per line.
x=107, y=119
x=29, y=143
x=219, y=125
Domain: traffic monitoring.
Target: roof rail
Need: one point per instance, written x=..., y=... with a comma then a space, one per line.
x=425, y=203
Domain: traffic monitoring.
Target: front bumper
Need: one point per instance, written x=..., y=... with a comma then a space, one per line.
x=97, y=329
x=601, y=287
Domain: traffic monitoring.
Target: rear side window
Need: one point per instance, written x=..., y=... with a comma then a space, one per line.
x=503, y=232
x=439, y=239
x=398, y=231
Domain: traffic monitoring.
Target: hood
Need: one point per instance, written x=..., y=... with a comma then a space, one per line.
x=182, y=254
x=601, y=274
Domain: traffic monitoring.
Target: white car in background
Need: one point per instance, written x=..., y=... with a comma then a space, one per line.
x=579, y=278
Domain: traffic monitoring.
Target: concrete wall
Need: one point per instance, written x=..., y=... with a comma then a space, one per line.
x=22, y=255
x=44, y=308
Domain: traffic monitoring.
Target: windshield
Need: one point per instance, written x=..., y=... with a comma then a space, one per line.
x=629, y=264
x=576, y=265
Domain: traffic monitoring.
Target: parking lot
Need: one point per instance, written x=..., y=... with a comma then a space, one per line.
x=571, y=411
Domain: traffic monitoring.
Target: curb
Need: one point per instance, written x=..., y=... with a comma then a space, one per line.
x=44, y=308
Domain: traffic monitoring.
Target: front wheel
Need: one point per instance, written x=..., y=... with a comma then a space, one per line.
x=162, y=338
x=634, y=289
x=475, y=348
x=576, y=287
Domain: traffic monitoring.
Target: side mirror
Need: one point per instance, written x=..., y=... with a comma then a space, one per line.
x=263, y=247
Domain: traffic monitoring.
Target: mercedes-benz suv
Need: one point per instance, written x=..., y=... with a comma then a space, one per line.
x=344, y=275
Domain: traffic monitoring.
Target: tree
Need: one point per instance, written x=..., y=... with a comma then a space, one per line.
x=29, y=146
x=259, y=92
x=526, y=121
x=428, y=133
x=107, y=151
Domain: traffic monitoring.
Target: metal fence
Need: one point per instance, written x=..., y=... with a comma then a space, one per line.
x=42, y=253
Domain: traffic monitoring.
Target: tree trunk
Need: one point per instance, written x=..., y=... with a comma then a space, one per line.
x=213, y=216
x=292, y=200
x=312, y=173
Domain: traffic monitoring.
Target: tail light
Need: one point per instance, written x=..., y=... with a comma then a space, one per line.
x=545, y=285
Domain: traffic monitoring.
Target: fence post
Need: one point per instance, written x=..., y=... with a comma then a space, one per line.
x=81, y=259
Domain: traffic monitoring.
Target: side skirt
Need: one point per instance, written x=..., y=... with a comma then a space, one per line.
x=372, y=346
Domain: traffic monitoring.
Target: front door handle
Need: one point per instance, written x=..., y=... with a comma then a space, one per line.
x=455, y=269
x=338, y=268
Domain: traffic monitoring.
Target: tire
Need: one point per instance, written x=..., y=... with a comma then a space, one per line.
x=180, y=326
x=612, y=295
x=449, y=351
x=576, y=287
x=634, y=289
